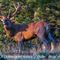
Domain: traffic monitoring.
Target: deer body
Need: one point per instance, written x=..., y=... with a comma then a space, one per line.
x=19, y=32
x=24, y=32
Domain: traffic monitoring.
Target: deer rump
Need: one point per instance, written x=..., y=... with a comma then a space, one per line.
x=28, y=31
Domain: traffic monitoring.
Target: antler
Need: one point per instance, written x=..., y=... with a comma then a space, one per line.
x=16, y=8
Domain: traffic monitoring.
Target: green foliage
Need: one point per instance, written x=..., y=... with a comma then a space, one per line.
x=58, y=4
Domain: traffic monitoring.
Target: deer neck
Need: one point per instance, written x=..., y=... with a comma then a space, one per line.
x=9, y=31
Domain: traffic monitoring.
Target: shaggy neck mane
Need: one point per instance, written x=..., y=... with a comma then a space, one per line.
x=15, y=28
x=11, y=30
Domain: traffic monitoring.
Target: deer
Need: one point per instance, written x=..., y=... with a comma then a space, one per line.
x=23, y=32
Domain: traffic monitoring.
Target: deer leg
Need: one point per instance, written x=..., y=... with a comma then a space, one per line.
x=55, y=43
x=20, y=44
x=43, y=42
x=40, y=44
x=53, y=40
x=30, y=42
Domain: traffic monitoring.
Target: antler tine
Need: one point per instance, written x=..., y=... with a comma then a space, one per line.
x=9, y=14
x=17, y=8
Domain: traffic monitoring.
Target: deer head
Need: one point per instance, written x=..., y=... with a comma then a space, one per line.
x=7, y=20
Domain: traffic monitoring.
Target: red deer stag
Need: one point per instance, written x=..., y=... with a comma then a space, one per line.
x=20, y=32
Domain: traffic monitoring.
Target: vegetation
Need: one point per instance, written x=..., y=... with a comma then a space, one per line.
x=32, y=10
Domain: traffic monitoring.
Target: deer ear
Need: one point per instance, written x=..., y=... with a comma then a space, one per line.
x=2, y=18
